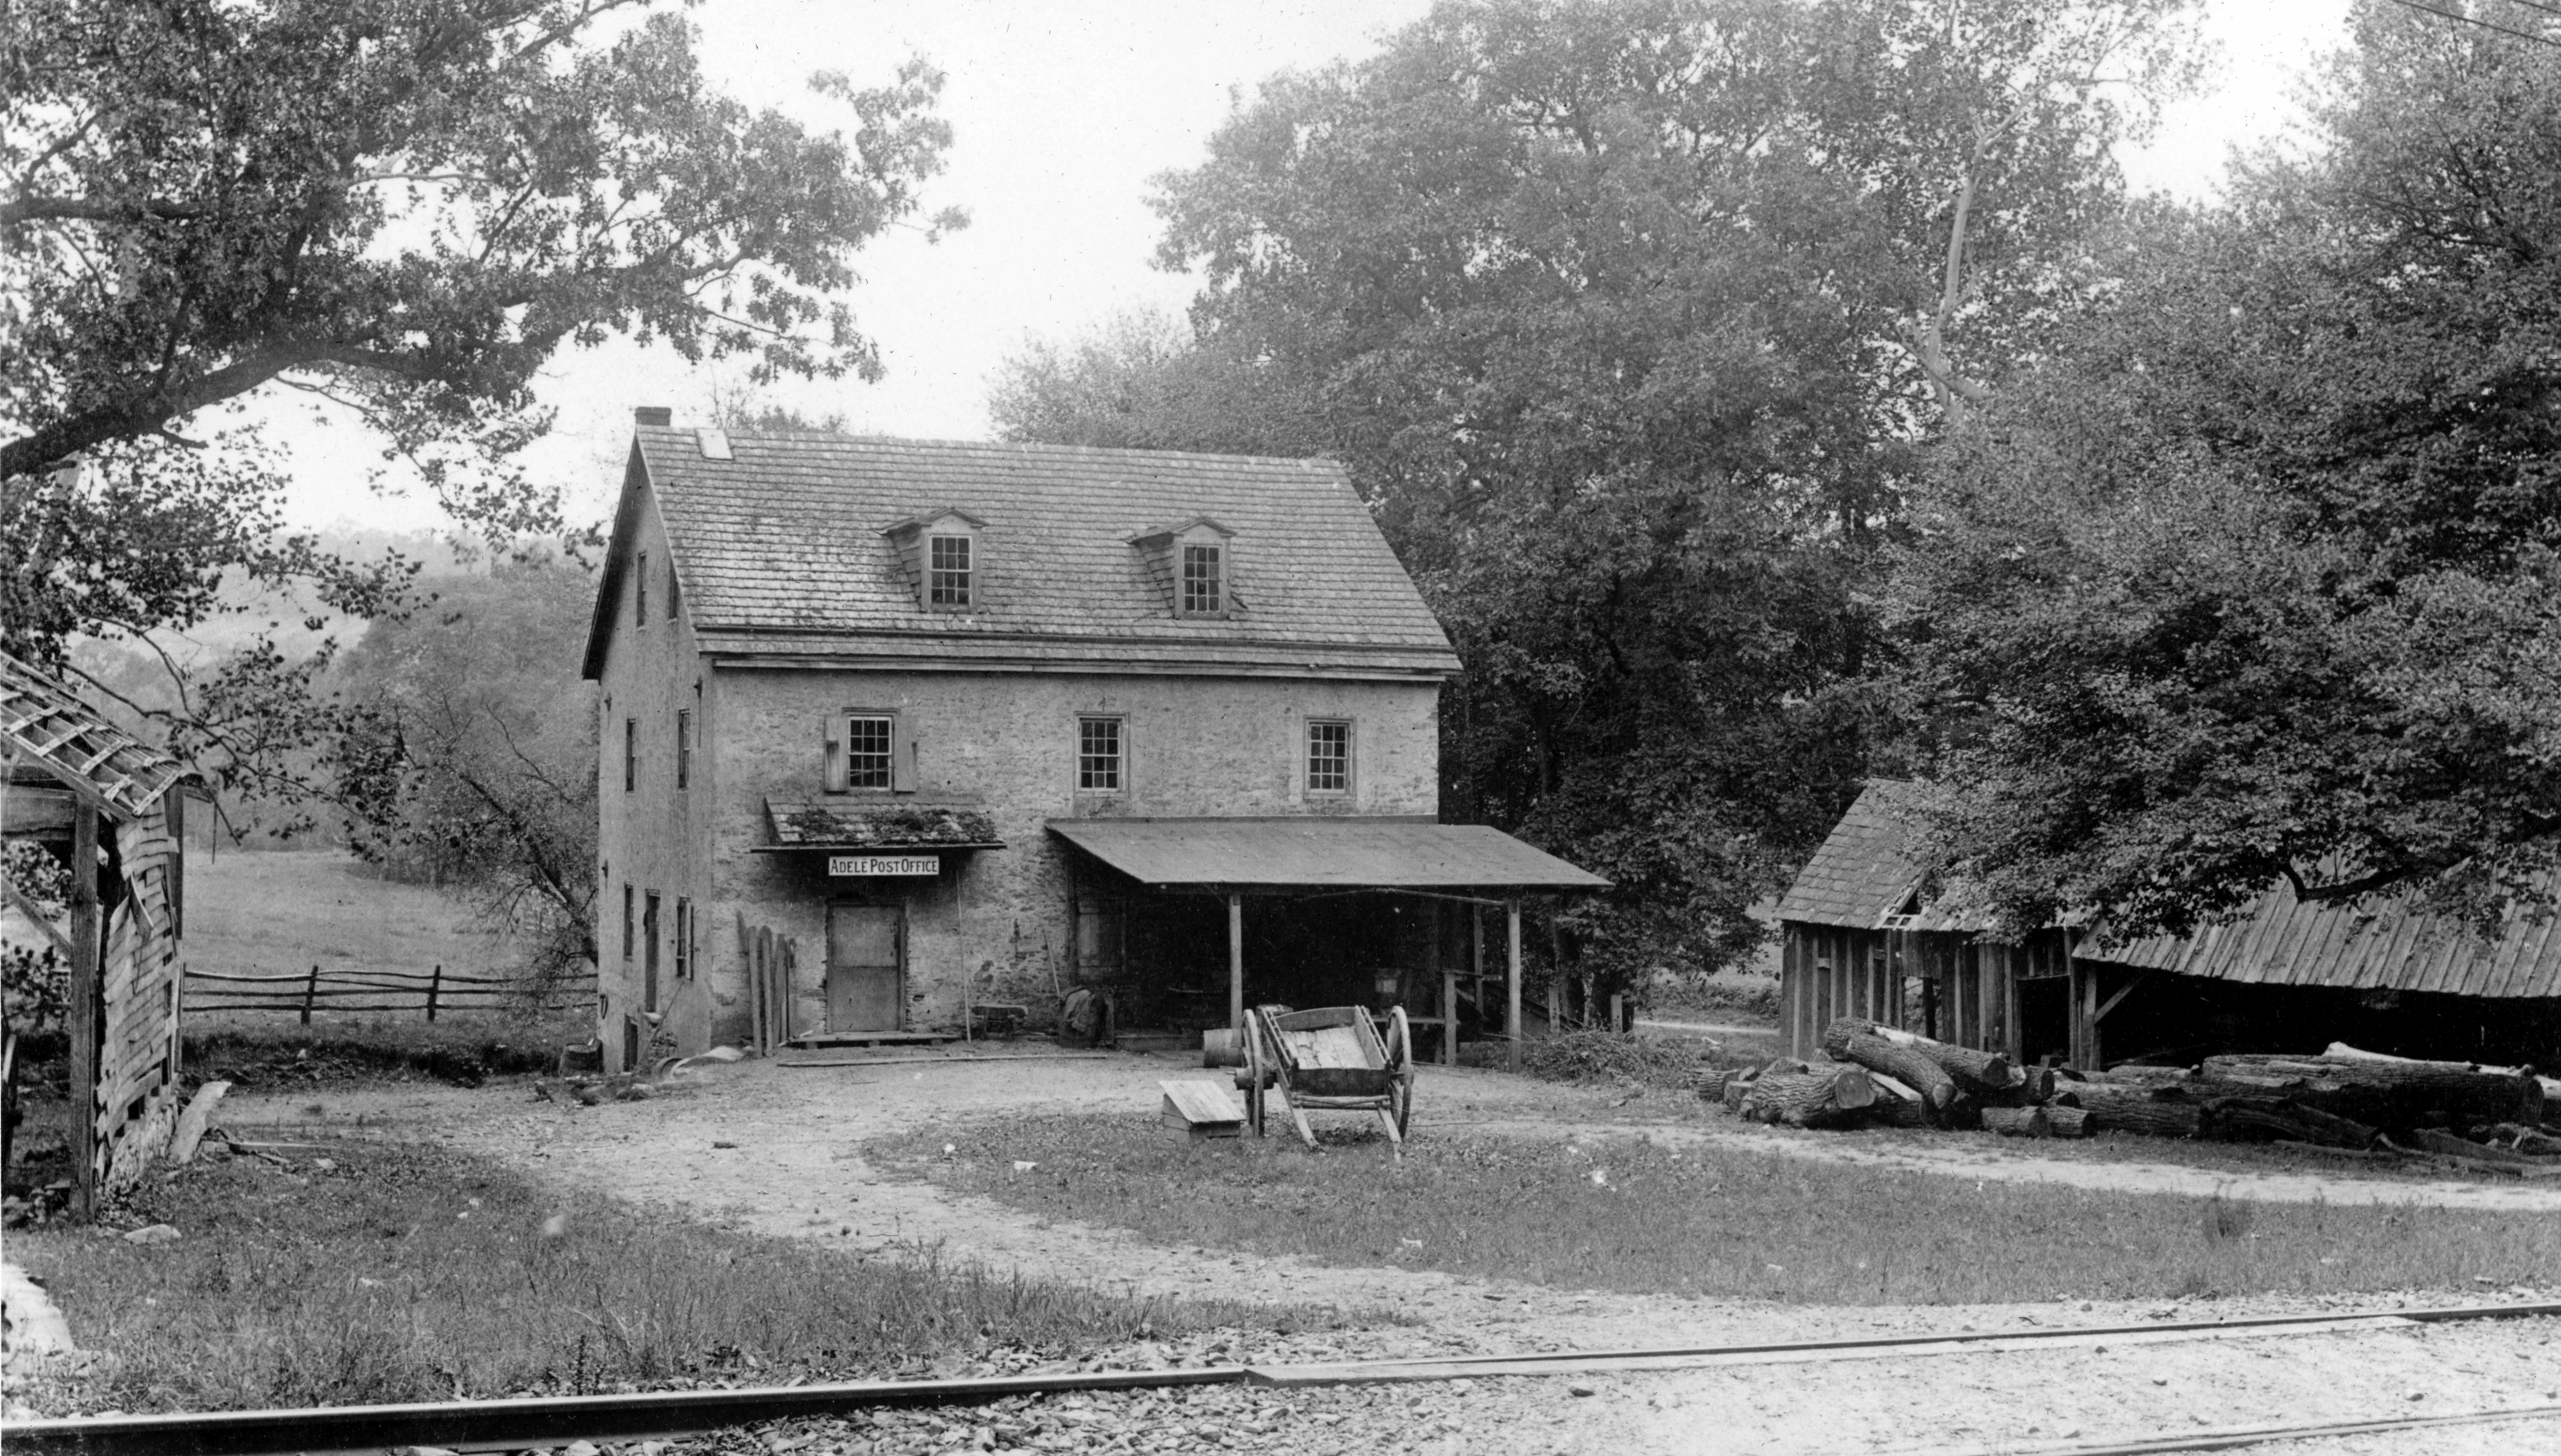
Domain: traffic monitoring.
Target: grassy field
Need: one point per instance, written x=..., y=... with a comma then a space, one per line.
x=1712, y=1222
x=280, y=912
x=408, y=1273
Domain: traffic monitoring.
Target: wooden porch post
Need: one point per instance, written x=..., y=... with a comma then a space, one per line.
x=1235, y=962
x=85, y=977
x=1512, y=982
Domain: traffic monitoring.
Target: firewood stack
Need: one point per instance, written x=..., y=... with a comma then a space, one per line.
x=2358, y=1102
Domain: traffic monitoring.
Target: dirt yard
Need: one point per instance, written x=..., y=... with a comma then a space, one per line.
x=777, y=1149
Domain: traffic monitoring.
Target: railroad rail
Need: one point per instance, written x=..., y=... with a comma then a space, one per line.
x=509, y=1426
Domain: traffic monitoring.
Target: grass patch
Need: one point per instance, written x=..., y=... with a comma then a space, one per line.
x=277, y=912
x=413, y=1273
x=1605, y=1058
x=1711, y=1223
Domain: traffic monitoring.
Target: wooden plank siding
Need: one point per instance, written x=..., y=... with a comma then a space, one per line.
x=1946, y=984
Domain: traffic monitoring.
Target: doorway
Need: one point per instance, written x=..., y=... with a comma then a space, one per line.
x=864, y=967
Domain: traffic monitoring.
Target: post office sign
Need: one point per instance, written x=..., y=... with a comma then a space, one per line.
x=844, y=864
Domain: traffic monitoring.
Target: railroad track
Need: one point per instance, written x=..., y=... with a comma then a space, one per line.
x=511, y=1426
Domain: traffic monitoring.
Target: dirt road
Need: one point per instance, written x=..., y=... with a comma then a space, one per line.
x=777, y=1149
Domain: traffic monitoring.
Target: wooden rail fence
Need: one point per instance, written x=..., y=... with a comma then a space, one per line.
x=375, y=990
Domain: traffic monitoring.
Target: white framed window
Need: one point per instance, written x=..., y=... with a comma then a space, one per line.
x=1099, y=762
x=949, y=572
x=871, y=745
x=1204, y=581
x=1329, y=755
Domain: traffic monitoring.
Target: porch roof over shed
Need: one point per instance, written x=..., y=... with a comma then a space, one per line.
x=1306, y=852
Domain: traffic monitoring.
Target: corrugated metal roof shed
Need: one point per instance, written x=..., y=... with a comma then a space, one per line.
x=2390, y=946
x=1310, y=853
x=43, y=723
x=779, y=549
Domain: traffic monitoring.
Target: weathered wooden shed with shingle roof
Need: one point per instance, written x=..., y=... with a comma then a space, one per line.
x=857, y=696
x=112, y=808
x=1862, y=938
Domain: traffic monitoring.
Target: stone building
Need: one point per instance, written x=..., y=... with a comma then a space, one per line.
x=928, y=714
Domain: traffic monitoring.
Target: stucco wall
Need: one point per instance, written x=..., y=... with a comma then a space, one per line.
x=647, y=837
x=1195, y=745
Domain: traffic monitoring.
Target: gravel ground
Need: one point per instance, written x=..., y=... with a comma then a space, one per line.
x=776, y=1149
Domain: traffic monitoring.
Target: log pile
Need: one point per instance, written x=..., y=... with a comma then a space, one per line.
x=2356, y=1102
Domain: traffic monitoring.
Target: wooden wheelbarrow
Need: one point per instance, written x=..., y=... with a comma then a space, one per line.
x=1334, y=1059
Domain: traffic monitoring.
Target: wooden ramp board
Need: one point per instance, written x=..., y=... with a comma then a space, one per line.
x=1202, y=1108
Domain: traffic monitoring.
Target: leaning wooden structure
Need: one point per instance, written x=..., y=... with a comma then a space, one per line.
x=114, y=810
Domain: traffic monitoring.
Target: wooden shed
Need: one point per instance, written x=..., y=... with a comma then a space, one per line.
x=1861, y=940
x=112, y=808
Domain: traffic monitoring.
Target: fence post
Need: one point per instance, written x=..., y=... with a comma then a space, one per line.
x=310, y=993
x=434, y=983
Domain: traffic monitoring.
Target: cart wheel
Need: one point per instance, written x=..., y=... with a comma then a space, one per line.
x=1253, y=1038
x=1400, y=1055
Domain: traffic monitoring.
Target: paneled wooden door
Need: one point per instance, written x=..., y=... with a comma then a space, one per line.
x=863, y=967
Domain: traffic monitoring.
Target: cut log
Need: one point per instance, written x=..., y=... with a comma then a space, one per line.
x=2114, y=1108
x=1737, y=1087
x=2246, y=1118
x=2446, y=1144
x=196, y=1121
x=2397, y=1093
x=2527, y=1140
x=2066, y=1122
x=2145, y=1076
x=1710, y=1084
x=1856, y=1040
x=1893, y=1088
x=2341, y=1051
x=2018, y=1122
x=1974, y=1070
x=1813, y=1099
x=1897, y=1112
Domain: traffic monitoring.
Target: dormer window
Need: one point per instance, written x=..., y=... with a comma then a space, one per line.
x=943, y=555
x=1204, y=581
x=946, y=572
x=1194, y=565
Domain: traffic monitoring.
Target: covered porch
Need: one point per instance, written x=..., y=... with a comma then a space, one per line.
x=1374, y=911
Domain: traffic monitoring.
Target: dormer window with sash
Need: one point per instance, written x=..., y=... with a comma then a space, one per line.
x=1194, y=565
x=946, y=572
x=943, y=553
x=1204, y=581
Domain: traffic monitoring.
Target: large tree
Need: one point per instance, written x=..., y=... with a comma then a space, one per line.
x=399, y=208
x=1628, y=318
x=2258, y=577
x=473, y=758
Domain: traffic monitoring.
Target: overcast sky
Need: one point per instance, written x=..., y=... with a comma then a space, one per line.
x=1062, y=114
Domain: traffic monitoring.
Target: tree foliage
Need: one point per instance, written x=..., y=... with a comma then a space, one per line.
x=2259, y=576
x=474, y=760
x=1627, y=319
x=396, y=207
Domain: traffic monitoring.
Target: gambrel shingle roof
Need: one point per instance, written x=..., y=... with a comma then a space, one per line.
x=780, y=551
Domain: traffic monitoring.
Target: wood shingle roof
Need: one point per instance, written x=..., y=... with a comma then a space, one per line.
x=779, y=550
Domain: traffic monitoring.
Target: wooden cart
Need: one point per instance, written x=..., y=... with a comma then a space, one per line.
x=1334, y=1059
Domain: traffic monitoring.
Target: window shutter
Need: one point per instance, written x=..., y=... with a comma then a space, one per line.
x=901, y=757
x=835, y=734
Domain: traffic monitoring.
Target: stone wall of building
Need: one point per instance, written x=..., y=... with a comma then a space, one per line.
x=649, y=837
x=997, y=924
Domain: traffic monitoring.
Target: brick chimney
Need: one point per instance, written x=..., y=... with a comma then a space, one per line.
x=658, y=415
